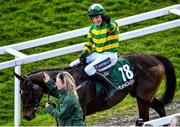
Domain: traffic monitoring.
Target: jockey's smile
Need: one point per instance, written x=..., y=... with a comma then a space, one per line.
x=97, y=20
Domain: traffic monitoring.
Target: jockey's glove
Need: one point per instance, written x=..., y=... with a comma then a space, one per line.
x=82, y=59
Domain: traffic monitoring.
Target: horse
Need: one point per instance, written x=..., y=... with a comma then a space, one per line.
x=149, y=70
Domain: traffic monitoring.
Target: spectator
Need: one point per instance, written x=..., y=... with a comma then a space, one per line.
x=68, y=111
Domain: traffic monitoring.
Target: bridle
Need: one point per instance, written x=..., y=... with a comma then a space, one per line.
x=35, y=98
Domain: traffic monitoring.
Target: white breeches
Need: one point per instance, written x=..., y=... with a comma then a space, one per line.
x=96, y=58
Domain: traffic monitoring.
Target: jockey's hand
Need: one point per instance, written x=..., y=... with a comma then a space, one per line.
x=46, y=77
x=82, y=59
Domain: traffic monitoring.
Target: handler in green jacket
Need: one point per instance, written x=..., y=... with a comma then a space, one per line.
x=68, y=110
x=103, y=35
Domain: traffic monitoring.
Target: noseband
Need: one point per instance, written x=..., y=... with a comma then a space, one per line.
x=35, y=98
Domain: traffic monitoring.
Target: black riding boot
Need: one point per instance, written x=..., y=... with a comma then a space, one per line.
x=111, y=89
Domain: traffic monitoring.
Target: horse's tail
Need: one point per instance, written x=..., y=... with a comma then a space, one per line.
x=170, y=79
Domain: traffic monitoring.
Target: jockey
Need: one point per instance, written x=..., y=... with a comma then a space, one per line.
x=103, y=35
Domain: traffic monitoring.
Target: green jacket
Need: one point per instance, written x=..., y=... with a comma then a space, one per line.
x=104, y=38
x=68, y=110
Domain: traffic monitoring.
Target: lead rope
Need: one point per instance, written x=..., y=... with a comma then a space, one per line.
x=50, y=103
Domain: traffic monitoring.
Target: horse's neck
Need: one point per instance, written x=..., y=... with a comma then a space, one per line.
x=37, y=78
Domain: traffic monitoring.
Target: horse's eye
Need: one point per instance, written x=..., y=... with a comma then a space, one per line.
x=21, y=92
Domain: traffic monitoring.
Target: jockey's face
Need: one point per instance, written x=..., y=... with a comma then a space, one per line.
x=97, y=20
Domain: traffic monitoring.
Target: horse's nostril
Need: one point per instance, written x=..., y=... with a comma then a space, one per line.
x=28, y=117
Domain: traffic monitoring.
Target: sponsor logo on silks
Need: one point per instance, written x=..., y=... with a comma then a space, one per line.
x=102, y=64
x=128, y=83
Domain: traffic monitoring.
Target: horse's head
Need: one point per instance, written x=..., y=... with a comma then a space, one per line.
x=31, y=95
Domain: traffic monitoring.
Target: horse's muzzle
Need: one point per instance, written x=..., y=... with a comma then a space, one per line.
x=29, y=118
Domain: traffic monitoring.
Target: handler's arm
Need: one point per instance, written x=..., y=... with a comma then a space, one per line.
x=66, y=109
x=52, y=88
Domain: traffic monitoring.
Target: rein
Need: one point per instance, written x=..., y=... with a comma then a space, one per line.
x=81, y=85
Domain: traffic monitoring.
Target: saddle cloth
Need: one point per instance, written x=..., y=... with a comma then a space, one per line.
x=121, y=75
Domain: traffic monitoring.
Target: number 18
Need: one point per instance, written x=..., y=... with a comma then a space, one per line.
x=126, y=72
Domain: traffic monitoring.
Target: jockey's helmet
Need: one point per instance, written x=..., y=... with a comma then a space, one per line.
x=96, y=9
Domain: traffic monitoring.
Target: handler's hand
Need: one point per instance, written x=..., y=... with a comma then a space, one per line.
x=46, y=77
x=47, y=104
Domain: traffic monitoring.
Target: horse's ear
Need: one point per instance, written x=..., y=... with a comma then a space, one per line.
x=25, y=76
x=19, y=77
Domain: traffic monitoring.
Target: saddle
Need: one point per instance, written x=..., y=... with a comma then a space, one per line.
x=121, y=75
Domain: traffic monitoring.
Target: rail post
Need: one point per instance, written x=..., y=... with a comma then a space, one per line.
x=17, y=98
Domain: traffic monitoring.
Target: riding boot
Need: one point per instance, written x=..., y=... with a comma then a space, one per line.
x=111, y=88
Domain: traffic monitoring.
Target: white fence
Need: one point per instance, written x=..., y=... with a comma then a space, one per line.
x=21, y=58
x=160, y=121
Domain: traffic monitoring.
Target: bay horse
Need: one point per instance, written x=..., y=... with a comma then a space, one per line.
x=149, y=72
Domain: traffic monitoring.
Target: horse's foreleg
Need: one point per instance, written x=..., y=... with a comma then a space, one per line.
x=158, y=107
x=143, y=107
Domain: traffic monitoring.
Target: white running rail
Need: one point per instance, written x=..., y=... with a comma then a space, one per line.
x=160, y=121
x=21, y=58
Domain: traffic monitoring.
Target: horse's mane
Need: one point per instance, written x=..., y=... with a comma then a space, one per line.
x=74, y=71
x=50, y=69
